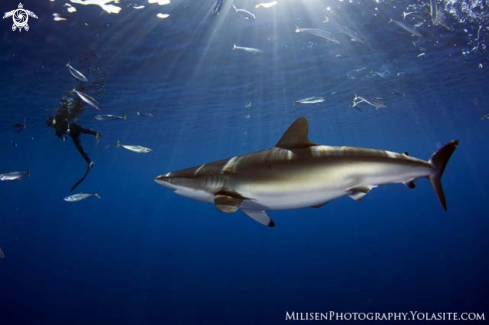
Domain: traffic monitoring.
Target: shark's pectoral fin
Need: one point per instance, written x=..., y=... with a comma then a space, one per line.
x=226, y=202
x=296, y=136
x=260, y=216
x=357, y=193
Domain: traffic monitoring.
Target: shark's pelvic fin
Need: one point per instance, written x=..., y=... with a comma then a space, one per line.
x=410, y=184
x=357, y=193
x=296, y=136
x=319, y=205
x=227, y=202
x=260, y=216
x=439, y=160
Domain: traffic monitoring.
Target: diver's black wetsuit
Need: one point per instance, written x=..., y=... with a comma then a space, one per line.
x=72, y=106
x=61, y=123
x=64, y=124
x=62, y=127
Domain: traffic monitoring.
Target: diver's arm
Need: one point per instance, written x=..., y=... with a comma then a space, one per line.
x=60, y=135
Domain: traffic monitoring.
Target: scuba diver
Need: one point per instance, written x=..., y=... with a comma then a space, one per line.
x=64, y=121
x=64, y=124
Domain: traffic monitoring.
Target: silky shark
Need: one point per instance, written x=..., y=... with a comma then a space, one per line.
x=297, y=173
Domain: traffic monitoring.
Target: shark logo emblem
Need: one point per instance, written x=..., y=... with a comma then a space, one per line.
x=20, y=17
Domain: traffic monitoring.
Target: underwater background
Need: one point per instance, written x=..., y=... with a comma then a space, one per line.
x=144, y=255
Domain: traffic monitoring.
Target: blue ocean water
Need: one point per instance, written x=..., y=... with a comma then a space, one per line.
x=143, y=255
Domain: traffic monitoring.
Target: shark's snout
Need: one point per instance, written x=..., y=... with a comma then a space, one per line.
x=164, y=180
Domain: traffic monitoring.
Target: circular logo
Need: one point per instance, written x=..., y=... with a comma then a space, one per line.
x=20, y=17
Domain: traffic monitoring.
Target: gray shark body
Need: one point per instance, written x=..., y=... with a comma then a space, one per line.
x=297, y=173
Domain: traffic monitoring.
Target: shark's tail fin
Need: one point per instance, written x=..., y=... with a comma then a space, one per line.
x=439, y=160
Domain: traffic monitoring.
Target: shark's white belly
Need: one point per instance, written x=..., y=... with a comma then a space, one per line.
x=292, y=189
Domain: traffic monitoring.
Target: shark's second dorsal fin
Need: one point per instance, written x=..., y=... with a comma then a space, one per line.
x=296, y=136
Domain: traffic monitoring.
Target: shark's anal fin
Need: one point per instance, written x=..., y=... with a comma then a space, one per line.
x=227, y=202
x=358, y=192
x=260, y=216
x=296, y=136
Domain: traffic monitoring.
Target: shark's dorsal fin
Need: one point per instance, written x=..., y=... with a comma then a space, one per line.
x=296, y=136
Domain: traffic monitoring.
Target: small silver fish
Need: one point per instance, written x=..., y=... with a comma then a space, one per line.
x=397, y=92
x=75, y=73
x=137, y=149
x=109, y=117
x=421, y=48
x=19, y=127
x=440, y=20
x=405, y=14
x=88, y=99
x=217, y=7
x=80, y=197
x=310, y=100
x=14, y=176
x=245, y=13
x=144, y=114
x=407, y=28
x=376, y=102
x=247, y=49
x=383, y=74
x=433, y=11
x=266, y=4
x=351, y=34
x=319, y=33
x=485, y=117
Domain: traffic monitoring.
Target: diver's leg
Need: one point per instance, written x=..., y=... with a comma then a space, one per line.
x=88, y=131
x=92, y=132
x=76, y=141
x=83, y=177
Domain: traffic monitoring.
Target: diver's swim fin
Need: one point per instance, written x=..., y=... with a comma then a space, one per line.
x=89, y=167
